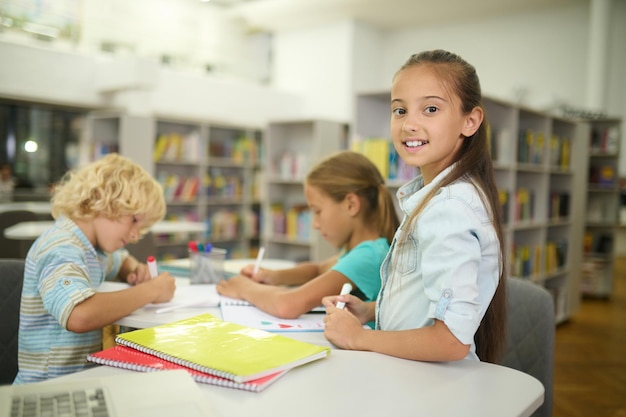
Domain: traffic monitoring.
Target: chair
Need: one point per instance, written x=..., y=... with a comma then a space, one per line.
x=11, y=279
x=10, y=248
x=531, y=331
x=144, y=248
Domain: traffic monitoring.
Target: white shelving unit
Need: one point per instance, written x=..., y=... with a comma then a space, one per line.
x=209, y=172
x=602, y=225
x=542, y=194
x=292, y=148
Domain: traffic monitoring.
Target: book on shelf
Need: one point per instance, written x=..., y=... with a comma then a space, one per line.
x=559, y=152
x=503, y=196
x=605, y=139
x=376, y=150
x=526, y=260
x=559, y=204
x=531, y=146
x=524, y=204
x=171, y=147
x=132, y=359
x=221, y=348
x=298, y=219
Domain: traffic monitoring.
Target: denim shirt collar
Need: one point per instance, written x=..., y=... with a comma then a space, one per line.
x=413, y=192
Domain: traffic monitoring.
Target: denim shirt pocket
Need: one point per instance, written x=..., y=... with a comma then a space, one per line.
x=407, y=259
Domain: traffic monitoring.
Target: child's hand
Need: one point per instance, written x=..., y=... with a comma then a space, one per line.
x=233, y=286
x=342, y=328
x=263, y=275
x=165, y=285
x=139, y=275
x=356, y=306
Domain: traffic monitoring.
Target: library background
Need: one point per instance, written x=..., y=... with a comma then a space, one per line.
x=231, y=141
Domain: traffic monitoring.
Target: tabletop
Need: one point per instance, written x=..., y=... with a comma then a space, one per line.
x=359, y=383
x=32, y=230
x=38, y=207
x=372, y=384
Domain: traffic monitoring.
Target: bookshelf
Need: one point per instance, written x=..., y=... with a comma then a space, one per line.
x=209, y=172
x=292, y=147
x=602, y=219
x=534, y=157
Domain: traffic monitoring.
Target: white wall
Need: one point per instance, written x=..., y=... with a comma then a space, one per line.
x=317, y=64
x=45, y=75
x=616, y=95
x=367, y=67
x=64, y=78
x=542, y=53
x=192, y=33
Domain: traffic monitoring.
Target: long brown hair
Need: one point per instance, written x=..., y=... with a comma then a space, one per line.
x=472, y=163
x=347, y=172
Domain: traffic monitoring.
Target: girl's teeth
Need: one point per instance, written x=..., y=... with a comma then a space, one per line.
x=414, y=143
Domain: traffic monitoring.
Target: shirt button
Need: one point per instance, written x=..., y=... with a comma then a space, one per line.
x=66, y=282
x=447, y=294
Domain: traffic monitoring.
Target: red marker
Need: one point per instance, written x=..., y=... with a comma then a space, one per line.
x=152, y=266
x=193, y=246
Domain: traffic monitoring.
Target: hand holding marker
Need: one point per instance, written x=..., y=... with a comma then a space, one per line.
x=346, y=289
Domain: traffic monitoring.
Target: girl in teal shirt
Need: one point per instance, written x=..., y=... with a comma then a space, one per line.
x=353, y=210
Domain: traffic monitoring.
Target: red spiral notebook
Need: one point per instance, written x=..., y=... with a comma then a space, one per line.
x=135, y=360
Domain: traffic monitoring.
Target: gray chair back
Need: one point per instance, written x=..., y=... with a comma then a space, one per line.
x=11, y=280
x=531, y=330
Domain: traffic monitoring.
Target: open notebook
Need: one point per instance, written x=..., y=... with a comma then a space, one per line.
x=204, y=295
x=242, y=312
x=154, y=394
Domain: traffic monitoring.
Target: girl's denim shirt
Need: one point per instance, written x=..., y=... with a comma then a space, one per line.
x=448, y=265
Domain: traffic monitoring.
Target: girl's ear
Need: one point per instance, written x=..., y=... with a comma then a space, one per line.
x=473, y=121
x=353, y=203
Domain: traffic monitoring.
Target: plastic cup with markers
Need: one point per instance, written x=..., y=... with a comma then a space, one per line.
x=206, y=263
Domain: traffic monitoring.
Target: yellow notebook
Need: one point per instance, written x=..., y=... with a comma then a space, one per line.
x=228, y=350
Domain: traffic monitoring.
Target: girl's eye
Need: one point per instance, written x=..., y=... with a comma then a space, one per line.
x=398, y=111
x=430, y=109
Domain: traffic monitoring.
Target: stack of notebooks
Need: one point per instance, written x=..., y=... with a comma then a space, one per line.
x=213, y=351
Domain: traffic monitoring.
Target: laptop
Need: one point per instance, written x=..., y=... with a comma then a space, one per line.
x=128, y=394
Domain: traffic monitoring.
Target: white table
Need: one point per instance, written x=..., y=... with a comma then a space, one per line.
x=32, y=230
x=359, y=383
x=370, y=384
x=38, y=207
x=234, y=266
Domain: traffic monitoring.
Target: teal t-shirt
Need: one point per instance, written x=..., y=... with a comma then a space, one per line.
x=362, y=266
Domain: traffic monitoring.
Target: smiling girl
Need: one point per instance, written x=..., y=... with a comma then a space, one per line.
x=443, y=295
x=98, y=209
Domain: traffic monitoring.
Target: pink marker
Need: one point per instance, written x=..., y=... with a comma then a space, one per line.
x=152, y=266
